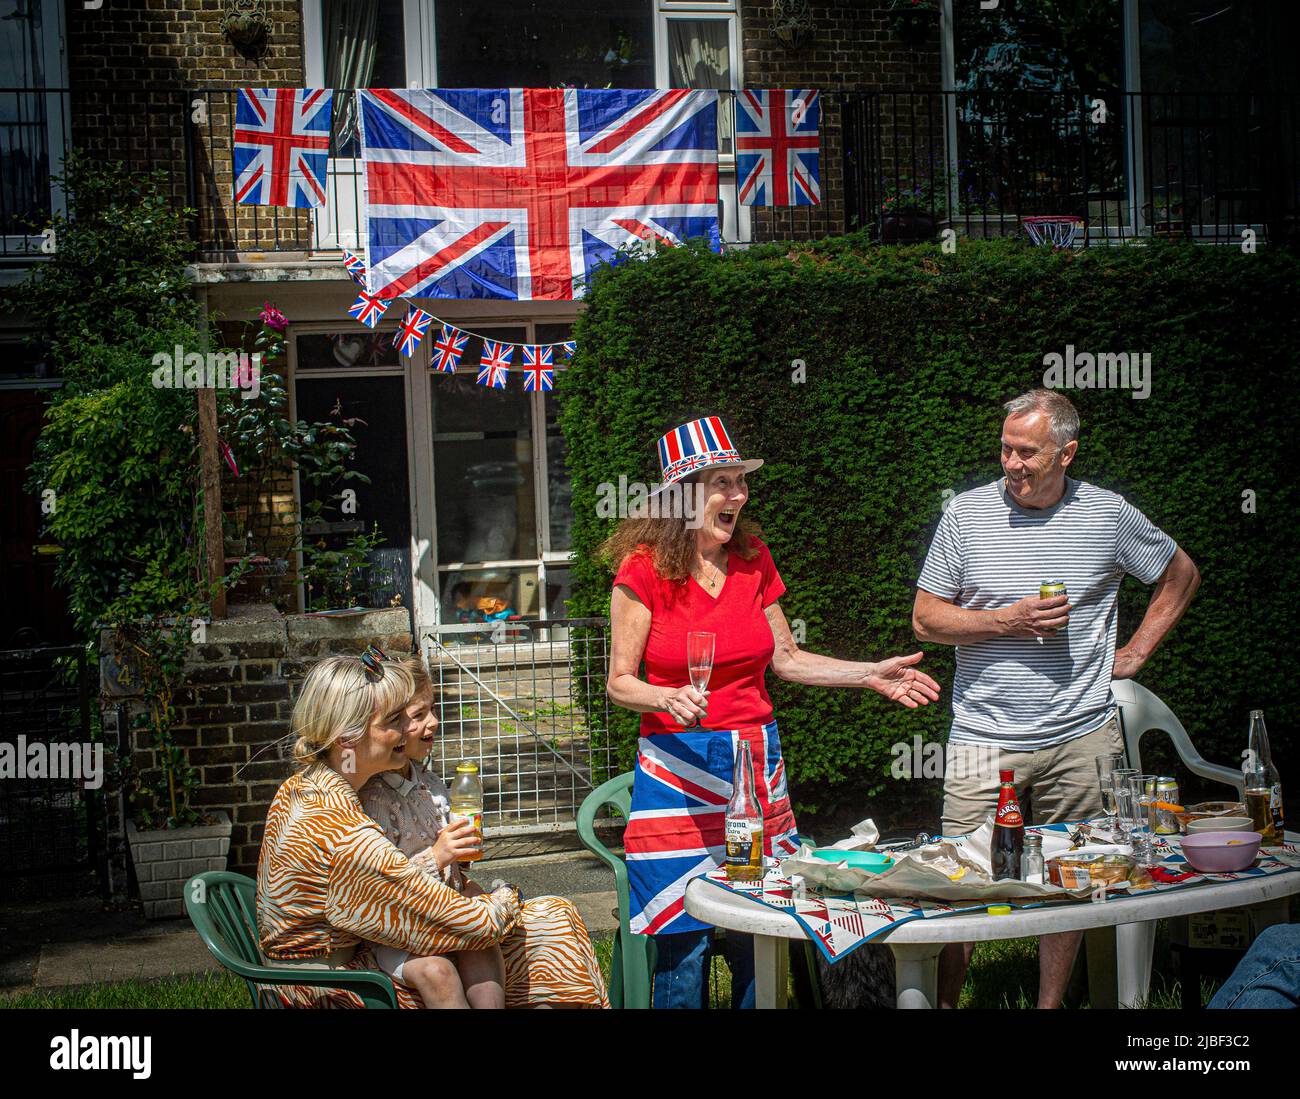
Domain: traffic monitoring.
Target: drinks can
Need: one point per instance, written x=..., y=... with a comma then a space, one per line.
x=1164, y=822
x=1049, y=588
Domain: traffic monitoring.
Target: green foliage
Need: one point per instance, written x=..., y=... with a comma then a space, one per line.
x=909, y=355
x=333, y=576
x=118, y=453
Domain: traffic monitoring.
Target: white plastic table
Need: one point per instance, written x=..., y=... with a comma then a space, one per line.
x=917, y=943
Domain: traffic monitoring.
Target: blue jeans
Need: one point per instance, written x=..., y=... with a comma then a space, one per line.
x=1269, y=974
x=680, y=979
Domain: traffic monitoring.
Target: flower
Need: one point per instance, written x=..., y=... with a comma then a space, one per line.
x=273, y=318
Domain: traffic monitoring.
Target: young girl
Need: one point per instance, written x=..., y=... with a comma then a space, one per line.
x=545, y=960
x=411, y=805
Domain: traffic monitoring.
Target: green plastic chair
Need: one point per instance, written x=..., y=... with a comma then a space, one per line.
x=633, y=960
x=223, y=908
x=634, y=955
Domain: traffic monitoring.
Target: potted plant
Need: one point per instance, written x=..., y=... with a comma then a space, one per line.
x=908, y=209
x=1168, y=215
x=169, y=839
x=914, y=20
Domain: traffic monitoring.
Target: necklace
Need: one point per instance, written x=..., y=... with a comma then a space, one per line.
x=710, y=582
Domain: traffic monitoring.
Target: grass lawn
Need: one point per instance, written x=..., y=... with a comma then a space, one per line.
x=1002, y=975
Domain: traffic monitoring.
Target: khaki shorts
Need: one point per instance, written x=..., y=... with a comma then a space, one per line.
x=1061, y=782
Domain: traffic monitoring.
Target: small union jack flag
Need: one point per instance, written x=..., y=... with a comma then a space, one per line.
x=570, y=348
x=414, y=325
x=539, y=373
x=356, y=267
x=778, y=147
x=448, y=348
x=368, y=308
x=282, y=138
x=494, y=363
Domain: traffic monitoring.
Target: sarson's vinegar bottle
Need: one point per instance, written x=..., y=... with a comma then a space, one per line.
x=744, y=822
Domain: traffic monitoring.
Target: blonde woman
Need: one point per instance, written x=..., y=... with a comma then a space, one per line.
x=546, y=960
x=328, y=880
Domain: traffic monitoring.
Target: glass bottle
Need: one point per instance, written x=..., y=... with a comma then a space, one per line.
x=1263, y=784
x=467, y=801
x=744, y=822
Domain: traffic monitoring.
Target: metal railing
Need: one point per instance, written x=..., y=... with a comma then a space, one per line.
x=527, y=701
x=1202, y=165
x=1205, y=166
x=51, y=809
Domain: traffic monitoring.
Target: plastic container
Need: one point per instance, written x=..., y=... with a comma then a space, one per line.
x=1219, y=824
x=1221, y=852
x=873, y=862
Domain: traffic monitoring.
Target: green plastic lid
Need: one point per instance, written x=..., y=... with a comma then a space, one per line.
x=999, y=910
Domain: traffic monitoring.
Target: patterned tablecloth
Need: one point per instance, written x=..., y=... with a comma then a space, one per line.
x=840, y=923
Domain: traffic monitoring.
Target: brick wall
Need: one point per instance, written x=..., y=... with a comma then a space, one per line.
x=854, y=46
x=234, y=714
x=133, y=67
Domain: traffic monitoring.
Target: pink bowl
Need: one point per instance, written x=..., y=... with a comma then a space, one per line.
x=1221, y=852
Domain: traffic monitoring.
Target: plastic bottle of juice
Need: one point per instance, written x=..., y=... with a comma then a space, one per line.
x=467, y=798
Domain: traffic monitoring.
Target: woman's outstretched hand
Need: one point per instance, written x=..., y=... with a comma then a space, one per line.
x=899, y=681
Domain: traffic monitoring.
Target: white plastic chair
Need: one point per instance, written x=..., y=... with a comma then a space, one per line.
x=1140, y=712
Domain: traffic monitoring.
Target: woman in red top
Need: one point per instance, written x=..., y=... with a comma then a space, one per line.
x=706, y=569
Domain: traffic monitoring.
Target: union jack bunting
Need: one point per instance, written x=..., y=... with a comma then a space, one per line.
x=356, y=267
x=448, y=348
x=521, y=193
x=675, y=829
x=539, y=371
x=494, y=363
x=570, y=348
x=414, y=325
x=777, y=148
x=700, y=443
x=368, y=308
x=282, y=138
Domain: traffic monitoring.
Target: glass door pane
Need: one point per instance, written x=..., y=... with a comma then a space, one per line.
x=24, y=130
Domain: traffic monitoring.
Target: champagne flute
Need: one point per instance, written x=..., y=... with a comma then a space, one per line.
x=1121, y=792
x=699, y=657
x=1106, y=766
x=1141, y=796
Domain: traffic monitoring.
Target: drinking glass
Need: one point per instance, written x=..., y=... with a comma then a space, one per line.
x=1138, y=822
x=1119, y=786
x=1106, y=766
x=699, y=657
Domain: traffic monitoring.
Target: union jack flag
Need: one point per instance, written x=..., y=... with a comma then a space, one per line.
x=356, y=267
x=777, y=148
x=570, y=348
x=539, y=371
x=448, y=348
x=494, y=363
x=282, y=138
x=521, y=193
x=675, y=830
x=414, y=325
x=368, y=308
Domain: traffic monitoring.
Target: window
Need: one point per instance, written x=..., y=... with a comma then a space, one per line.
x=539, y=43
x=503, y=501
x=356, y=376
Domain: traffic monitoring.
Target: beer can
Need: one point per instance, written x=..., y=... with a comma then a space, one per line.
x=1163, y=821
x=1049, y=588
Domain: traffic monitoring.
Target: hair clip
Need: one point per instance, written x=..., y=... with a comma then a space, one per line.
x=373, y=660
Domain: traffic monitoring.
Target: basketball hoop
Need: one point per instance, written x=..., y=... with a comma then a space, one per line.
x=1056, y=231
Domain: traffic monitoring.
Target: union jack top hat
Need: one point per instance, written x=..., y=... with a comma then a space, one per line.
x=701, y=444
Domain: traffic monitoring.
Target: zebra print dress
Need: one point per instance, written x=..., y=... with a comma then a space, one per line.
x=329, y=882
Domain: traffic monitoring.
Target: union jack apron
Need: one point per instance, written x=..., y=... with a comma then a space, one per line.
x=674, y=833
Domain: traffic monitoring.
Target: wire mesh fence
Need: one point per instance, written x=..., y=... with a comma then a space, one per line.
x=526, y=701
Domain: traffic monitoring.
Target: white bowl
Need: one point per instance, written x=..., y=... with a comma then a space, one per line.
x=1220, y=824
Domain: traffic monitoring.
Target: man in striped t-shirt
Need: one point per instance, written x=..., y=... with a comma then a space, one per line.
x=1026, y=685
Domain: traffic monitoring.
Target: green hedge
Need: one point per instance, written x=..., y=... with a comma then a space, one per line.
x=909, y=354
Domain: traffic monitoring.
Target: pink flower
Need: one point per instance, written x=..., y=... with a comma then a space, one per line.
x=273, y=318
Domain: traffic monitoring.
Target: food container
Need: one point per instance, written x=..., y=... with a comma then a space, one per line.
x=1220, y=824
x=1075, y=870
x=1211, y=809
x=1221, y=852
x=873, y=862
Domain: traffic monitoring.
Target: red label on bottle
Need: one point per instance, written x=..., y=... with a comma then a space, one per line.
x=1009, y=815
